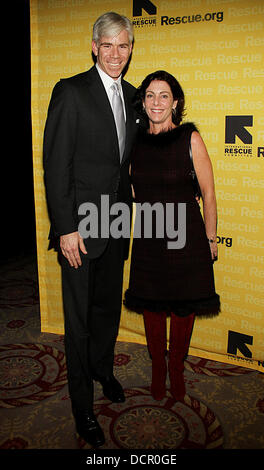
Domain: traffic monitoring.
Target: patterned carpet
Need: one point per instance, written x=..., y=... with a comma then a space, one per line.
x=223, y=408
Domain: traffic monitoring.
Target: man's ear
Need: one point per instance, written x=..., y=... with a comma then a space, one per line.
x=94, y=48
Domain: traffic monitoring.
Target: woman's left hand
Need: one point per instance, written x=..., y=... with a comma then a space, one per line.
x=214, y=250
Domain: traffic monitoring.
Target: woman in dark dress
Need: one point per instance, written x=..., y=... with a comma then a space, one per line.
x=178, y=282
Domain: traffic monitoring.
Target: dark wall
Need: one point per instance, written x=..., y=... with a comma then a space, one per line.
x=17, y=195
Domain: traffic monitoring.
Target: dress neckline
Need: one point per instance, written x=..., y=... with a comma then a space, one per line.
x=168, y=135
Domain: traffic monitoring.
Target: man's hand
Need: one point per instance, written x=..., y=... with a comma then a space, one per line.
x=70, y=245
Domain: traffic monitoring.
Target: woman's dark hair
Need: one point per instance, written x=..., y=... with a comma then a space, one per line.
x=176, y=90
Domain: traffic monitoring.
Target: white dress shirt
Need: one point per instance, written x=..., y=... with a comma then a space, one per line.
x=108, y=82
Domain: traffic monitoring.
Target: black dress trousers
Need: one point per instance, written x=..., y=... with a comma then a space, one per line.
x=92, y=297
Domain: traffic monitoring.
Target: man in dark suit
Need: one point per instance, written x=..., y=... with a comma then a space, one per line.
x=86, y=155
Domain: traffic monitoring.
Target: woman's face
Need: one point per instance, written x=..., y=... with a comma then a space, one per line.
x=159, y=102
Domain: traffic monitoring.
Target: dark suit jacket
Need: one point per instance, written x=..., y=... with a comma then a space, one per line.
x=81, y=154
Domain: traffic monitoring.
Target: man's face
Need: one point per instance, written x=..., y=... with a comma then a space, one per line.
x=113, y=53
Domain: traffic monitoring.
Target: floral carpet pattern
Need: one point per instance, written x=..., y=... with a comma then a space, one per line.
x=223, y=407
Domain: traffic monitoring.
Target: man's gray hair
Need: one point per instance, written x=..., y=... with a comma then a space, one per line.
x=111, y=24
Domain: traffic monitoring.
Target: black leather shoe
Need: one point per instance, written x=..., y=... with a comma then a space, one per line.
x=88, y=428
x=112, y=389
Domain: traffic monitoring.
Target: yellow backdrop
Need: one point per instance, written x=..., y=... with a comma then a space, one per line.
x=214, y=48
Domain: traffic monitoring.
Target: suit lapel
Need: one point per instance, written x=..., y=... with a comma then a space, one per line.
x=129, y=124
x=102, y=102
x=99, y=94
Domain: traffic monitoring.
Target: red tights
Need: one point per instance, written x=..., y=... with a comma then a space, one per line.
x=156, y=335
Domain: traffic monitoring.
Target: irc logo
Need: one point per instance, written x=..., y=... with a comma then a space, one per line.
x=149, y=8
x=146, y=5
x=239, y=341
x=238, y=139
x=236, y=127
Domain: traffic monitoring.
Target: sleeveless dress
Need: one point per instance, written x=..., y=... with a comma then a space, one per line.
x=178, y=280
